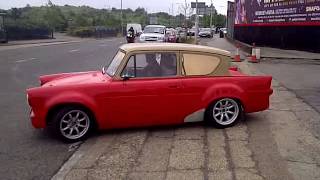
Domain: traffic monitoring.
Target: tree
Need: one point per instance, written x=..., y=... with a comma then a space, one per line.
x=55, y=18
x=220, y=20
x=15, y=13
x=140, y=11
x=186, y=9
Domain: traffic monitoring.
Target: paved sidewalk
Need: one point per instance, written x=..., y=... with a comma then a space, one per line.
x=274, y=144
x=222, y=43
x=58, y=37
x=267, y=52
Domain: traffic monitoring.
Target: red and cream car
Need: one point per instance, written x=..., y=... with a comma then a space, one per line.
x=148, y=85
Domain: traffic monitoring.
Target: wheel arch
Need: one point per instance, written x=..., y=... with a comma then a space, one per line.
x=55, y=108
x=225, y=90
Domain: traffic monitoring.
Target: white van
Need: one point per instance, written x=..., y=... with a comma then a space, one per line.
x=137, y=28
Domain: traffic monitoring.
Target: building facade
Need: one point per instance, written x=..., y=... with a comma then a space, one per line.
x=277, y=23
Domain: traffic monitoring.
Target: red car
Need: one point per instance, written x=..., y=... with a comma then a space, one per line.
x=171, y=36
x=148, y=85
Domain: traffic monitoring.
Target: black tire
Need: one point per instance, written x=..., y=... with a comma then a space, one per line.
x=215, y=108
x=59, y=121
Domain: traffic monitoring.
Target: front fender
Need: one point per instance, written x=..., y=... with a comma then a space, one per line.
x=47, y=78
x=69, y=97
x=225, y=90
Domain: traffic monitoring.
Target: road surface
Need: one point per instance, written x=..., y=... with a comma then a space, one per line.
x=300, y=76
x=25, y=152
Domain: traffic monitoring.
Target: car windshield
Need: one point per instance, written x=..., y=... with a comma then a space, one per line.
x=113, y=66
x=205, y=29
x=149, y=29
x=171, y=33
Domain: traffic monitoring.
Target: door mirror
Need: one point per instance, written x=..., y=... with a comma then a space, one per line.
x=126, y=77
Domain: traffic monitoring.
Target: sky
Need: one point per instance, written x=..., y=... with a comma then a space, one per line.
x=150, y=5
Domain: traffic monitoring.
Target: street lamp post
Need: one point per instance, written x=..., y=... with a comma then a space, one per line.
x=211, y=15
x=196, y=24
x=121, y=20
x=185, y=13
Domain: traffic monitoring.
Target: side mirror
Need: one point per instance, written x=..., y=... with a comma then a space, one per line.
x=126, y=77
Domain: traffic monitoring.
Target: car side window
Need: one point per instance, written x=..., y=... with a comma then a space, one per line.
x=151, y=65
x=198, y=64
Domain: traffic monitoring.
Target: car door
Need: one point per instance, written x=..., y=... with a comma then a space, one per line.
x=145, y=95
x=196, y=67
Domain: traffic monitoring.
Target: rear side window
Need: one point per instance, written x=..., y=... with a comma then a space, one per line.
x=198, y=64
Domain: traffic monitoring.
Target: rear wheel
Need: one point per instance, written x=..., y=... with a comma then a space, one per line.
x=71, y=124
x=224, y=113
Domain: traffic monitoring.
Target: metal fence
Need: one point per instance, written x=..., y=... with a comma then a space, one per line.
x=102, y=32
x=21, y=33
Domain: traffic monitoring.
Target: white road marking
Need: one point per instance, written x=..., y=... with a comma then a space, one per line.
x=103, y=45
x=74, y=50
x=25, y=60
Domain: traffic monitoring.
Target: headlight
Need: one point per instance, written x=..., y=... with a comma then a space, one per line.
x=160, y=38
x=28, y=99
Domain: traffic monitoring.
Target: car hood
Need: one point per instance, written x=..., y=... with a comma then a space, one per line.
x=204, y=32
x=151, y=35
x=73, y=78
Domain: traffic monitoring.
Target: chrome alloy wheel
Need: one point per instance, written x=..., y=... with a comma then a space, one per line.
x=225, y=111
x=74, y=124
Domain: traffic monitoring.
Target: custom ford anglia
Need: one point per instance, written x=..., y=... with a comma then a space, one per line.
x=148, y=85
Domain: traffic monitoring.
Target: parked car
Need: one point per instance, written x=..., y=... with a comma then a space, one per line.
x=171, y=35
x=153, y=33
x=205, y=32
x=148, y=85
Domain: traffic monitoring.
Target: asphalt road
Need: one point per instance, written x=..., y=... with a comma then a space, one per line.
x=25, y=152
x=300, y=76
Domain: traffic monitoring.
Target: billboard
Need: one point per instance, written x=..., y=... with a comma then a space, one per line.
x=277, y=12
x=200, y=4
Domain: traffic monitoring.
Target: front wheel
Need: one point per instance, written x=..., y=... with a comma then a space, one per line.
x=224, y=113
x=71, y=124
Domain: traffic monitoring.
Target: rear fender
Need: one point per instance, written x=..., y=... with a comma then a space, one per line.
x=220, y=91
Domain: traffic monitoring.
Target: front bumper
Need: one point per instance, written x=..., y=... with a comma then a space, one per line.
x=37, y=120
x=150, y=41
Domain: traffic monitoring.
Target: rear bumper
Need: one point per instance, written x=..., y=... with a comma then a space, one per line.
x=257, y=101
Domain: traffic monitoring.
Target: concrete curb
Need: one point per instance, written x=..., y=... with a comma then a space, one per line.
x=24, y=43
x=2, y=48
x=45, y=41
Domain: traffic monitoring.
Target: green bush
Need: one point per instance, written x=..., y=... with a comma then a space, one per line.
x=81, y=31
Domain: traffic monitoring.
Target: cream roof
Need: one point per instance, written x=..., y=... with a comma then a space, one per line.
x=172, y=47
